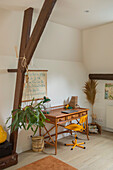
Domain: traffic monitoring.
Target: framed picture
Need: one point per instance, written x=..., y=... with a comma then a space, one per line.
x=36, y=87
x=109, y=91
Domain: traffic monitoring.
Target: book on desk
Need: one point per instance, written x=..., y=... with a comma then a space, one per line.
x=69, y=111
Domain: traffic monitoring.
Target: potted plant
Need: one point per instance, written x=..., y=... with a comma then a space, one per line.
x=30, y=117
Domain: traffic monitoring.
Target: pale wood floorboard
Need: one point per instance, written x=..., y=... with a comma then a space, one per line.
x=98, y=154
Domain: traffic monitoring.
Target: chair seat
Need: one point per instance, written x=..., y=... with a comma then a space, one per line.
x=74, y=127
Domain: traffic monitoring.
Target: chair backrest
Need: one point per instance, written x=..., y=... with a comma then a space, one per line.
x=82, y=120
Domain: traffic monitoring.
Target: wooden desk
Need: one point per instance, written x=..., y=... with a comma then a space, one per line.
x=58, y=119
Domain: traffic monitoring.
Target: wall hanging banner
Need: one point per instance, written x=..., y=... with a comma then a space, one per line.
x=36, y=87
x=109, y=91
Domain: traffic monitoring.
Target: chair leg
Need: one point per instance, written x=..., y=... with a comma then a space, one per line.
x=74, y=143
x=69, y=144
x=81, y=143
x=75, y=139
x=81, y=146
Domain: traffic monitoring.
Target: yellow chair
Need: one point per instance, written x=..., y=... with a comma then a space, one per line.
x=78, y=128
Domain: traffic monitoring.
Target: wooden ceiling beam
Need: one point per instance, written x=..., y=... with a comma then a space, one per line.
x=12, y=70
x=15, y=70
x=101, y=76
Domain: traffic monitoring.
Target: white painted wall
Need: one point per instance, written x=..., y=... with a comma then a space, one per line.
x=98, y=58
x=59, y=52
x=98, y=49
x=61, y=43
x=10, y=31
x=65, y=79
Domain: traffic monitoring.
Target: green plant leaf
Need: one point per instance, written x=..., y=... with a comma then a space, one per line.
x=29, y=125
x=35, y=130
x=15, y=122
x=32, y=129
x=29, y=117
x=8, y=120
x=32, y=101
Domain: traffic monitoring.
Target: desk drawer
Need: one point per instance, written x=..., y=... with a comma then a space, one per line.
x=61, y=119
x=68, y=117
x=72, y=116
x=75, y=116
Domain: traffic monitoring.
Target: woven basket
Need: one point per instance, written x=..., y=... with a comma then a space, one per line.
x=37, y=143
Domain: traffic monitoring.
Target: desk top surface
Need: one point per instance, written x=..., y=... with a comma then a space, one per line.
x=57, y=113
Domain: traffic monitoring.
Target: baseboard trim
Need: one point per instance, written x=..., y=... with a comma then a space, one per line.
x=107, y=129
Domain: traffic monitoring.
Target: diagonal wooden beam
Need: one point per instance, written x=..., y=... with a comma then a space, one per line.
x=20, y=75
x=39, y=28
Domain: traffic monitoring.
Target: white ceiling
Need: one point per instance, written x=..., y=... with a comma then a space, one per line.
x=70, y=12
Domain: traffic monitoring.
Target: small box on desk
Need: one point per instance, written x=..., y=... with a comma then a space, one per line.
x=5, y=149
x=73, y=102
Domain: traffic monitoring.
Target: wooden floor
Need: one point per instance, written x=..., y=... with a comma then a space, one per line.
x=98, y=154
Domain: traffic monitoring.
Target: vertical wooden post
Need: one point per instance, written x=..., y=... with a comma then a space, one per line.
x=20, y=75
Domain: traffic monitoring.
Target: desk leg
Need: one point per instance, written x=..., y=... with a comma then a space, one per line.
x=56, y=138
x=87, y=129
x=70, y=130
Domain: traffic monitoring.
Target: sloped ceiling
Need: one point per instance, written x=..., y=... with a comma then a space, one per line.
x=80, y=14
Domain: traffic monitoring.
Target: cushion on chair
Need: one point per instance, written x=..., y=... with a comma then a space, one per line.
x=74, y=127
